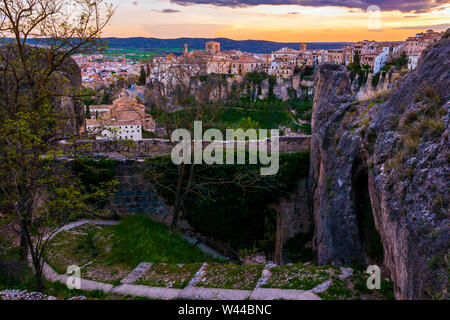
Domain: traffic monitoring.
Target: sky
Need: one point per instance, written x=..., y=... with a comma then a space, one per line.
x=278, y=20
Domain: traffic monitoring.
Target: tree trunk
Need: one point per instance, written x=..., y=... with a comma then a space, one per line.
x=37, y=266
x=23, y=251
x=279, y=242
x=176, y=210
x=39, y=276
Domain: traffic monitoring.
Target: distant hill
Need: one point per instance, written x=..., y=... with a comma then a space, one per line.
x=255, y=46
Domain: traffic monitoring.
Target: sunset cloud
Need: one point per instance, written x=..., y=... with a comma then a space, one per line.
x=385, y=5
x=287, y=20
x=166, y=11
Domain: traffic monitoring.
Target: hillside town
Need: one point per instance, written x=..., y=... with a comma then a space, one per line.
x=286, y=61
x=125, y=117
x=97, y=70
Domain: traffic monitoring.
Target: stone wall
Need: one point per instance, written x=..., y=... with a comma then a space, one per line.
x=295, y=211
x=135, y=195
x=160, y=147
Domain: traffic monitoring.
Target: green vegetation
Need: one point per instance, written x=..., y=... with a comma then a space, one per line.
x=169, y=275
x=109, y=253
x=299, y=276
x=88, y=97
x=307, y=74
x=13, y=272
x=227, y=276
x=142, y=77
x=131, y=54
x=141, y=239
x=233, y=206
x=356, y=69
x=106, y=99
x=97, y=178
x=355, y=288
x=376, y=79
x=400, y=63
x=268, y=113
x=89, y=247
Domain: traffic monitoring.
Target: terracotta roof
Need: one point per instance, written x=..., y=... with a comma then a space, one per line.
x=247, y=60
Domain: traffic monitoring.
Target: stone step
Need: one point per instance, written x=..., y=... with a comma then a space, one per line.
x=137, y=273
x=285, y=294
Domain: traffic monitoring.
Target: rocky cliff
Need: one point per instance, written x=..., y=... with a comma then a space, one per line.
x=379, y=175
x=63, y=88
x=237, y=86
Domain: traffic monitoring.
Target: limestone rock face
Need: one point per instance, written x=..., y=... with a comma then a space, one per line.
x=71, y=104
x=393, y=150
x=65, y=85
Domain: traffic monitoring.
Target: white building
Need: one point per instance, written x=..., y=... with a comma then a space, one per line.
x=413, y=61
x=123, y=131
x=381, y=59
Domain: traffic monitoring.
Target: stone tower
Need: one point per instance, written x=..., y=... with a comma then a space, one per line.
x=302, y=47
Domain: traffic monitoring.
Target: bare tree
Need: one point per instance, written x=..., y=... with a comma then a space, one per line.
x=180, y=98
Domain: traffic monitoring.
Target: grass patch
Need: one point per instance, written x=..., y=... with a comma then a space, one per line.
x=69, y=248
x=169, y=275
x=355, y=288
x=337, y=291
x=299, y=276
x=226, y=276
x=141, y=239
x=89, y=247
x=109, y=253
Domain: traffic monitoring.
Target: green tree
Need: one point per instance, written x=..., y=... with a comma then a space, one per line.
x=106, y=98
x=38, y=193
x=88, y=96
x=142, y=76
x=248, y=123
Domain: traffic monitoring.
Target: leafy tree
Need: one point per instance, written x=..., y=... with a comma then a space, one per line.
x=88, y=96
x=88, y=112
x=248, y=123
x=38, y=37
x=106, y=98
